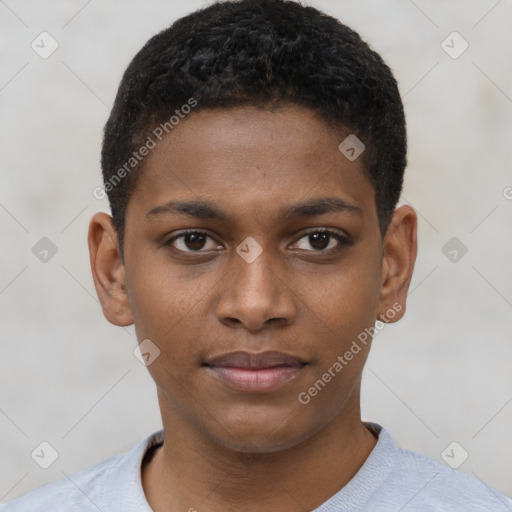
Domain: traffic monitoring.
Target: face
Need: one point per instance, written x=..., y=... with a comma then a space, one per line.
x=254, y=261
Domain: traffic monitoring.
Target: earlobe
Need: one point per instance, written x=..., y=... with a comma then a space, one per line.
x=108, y=270
x=400, y=248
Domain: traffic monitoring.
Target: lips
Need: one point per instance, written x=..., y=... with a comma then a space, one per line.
x=255, y=361
x=255, y=372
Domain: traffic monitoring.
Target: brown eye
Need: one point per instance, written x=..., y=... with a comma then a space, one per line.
x=322, y=241
x=193, y=241
x=319, y=240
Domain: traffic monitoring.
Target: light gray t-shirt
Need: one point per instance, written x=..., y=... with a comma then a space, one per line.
x=391, y=480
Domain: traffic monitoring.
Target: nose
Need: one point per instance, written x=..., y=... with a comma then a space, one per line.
x=256, y=295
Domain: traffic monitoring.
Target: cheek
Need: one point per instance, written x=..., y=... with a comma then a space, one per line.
x=173, y=310
x=161, y=302
x=338, y=319
x=344, y=303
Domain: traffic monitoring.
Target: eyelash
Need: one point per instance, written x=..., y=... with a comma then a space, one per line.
x=343, y=240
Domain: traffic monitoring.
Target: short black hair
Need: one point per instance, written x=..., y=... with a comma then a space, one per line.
x=256, y=53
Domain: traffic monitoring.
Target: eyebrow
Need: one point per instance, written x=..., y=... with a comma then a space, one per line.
x=320, y=206
x=208, y=210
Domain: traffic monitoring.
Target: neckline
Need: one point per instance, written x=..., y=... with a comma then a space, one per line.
x=376, y=468
x=155, y=442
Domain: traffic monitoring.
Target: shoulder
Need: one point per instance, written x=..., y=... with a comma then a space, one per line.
x=82, y=491
x=91, y=489
x=427, y=485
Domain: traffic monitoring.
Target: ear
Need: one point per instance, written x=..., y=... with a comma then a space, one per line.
x=108, y=270
x=399, y=255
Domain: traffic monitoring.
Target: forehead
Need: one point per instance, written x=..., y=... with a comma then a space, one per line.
x=246, y=157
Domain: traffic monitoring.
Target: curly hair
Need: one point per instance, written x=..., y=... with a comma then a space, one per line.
x=258, y=53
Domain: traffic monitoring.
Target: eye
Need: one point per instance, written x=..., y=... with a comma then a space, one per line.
x=193, y=241
x=322, y=240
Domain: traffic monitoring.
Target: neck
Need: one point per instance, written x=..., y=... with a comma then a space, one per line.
x=191, y=471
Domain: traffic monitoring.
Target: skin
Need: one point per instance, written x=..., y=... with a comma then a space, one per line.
x=225, y=449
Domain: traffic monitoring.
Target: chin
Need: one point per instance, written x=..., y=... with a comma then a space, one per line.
x=261, y=433
x=258, y=443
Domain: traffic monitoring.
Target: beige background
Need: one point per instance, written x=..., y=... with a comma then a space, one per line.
x=68, y=377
